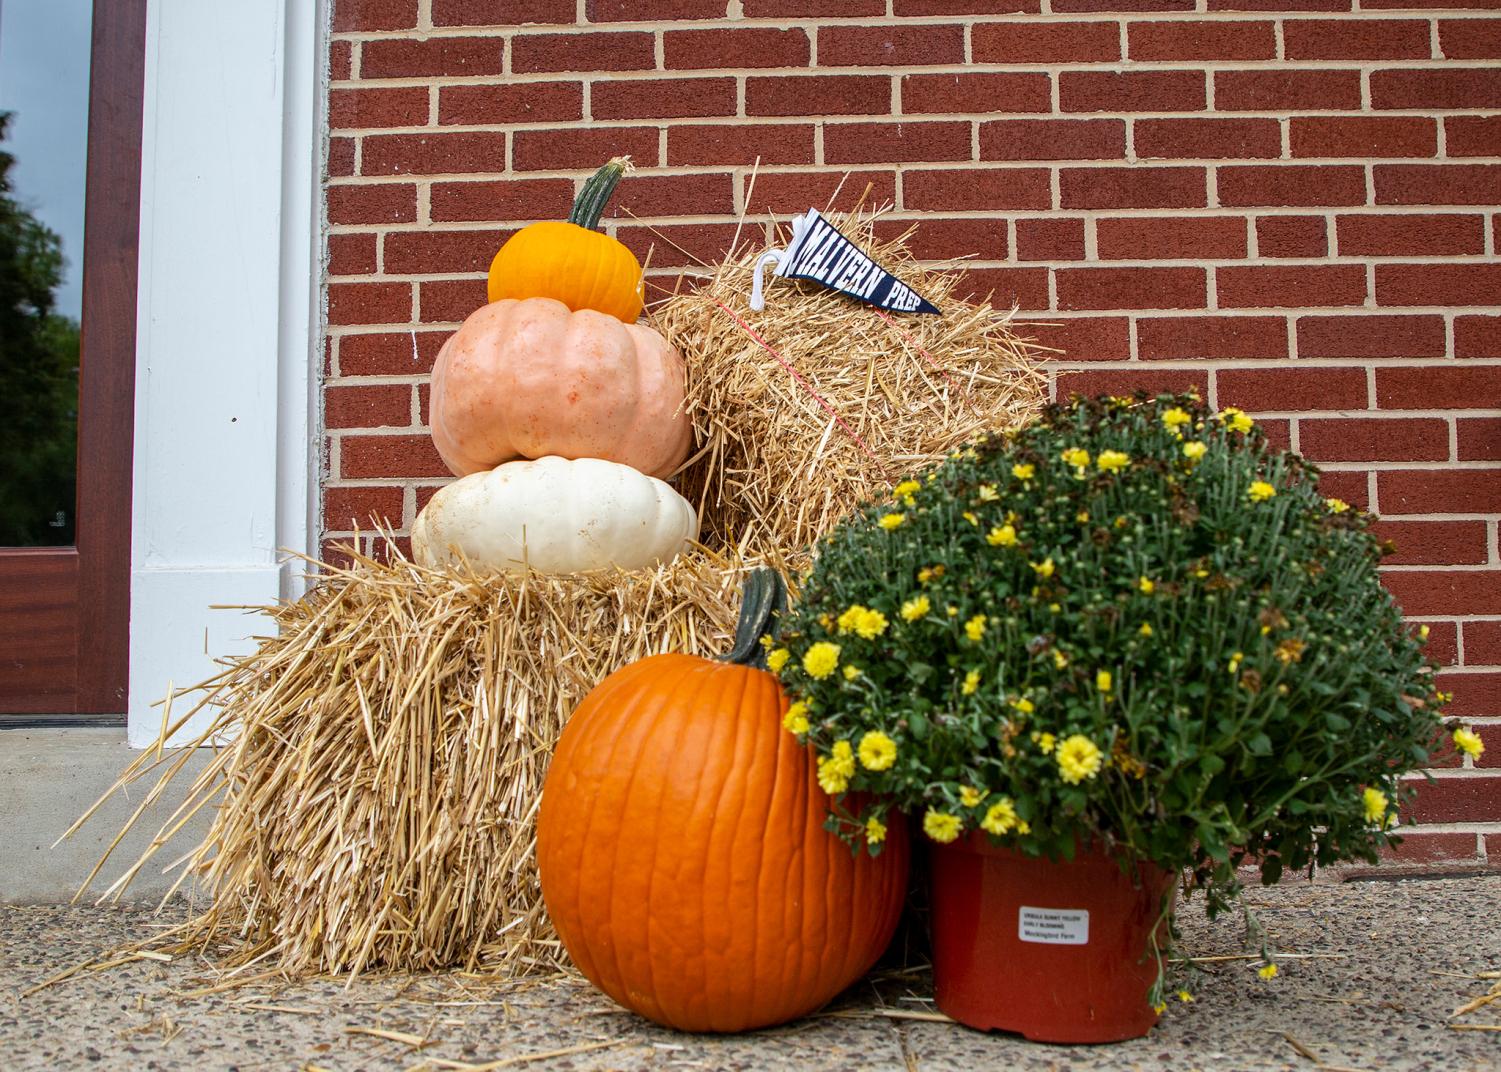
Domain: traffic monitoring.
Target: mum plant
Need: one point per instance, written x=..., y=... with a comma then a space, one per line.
x=1131, y=624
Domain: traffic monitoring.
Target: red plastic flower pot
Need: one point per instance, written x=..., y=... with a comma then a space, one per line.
x=1057, y=951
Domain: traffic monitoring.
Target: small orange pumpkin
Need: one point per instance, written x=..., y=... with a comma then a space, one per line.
x=525, y=379
x=682, y=850
x=572, y=262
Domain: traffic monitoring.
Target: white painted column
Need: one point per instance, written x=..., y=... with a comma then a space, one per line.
x=227, y=363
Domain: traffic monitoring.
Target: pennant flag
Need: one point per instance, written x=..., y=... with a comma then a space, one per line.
x=820, y=253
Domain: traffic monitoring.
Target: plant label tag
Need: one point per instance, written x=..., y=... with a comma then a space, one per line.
x=1054, y=926
x=820, y=253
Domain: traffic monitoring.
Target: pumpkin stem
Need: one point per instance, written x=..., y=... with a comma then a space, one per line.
x=590, y=203
x=764, y=598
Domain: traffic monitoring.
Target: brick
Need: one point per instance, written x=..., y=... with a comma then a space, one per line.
x=1428, y=847
x=1355, y=39
x=903, y=8
x=594, y=51
x=572, y=148
x=976, y=92
x=449, y=301
x=968, y=189
x=1364, y=135
x=435, y=57
x=1477, y=336
x=369, y=303
x=1132, y=187
x=400, y=353
x=455, y=153
x=784, y=194
x=1463, y=87
x=1286, y=90
x=351, y=254
x=1375, y=439
x=1433, y=592
x=1364, y=338
x=517, y=102
x=1443, y=637
x=348, y=508
x=834, y=94
x=1482, y=645
x=502, y=12
x=653, y=10
x=1290, y=286
x=762, y=47
x=1201, y=40
x=1131, y=288
x=666, y=98
x=1053, y=139
x=340, y=163
x=1438, y=184
x=1479, y=439
x=1050, y=238
x=890, y=45
x=1124, y=381
x=1456, y=800
x=1472, y=135
x=1214, y=139
x=1047, y=43
x=357, y=109
x=340, y=60
x=1441, y=491
x=1083, y=338
x=429, y=252
x=1438, y=387
x=1435, y=543
x=876, y=143
x=981, y=237
x=381, y=405
x=1132, y=91
x=387, y=457
x=353, y=16
x=1026, y=288
x=390, y=202
x=703, y=194
x=1474, y=694
x=1273, y=390
x=1171, y=238
x=1410, y=235
x=1280, y=5
x=1470, y=39
x=1163, y=338
x=1070, y=6
x=1291, y=236
x=1349, y=486
x=1438, y=284
x=504, y=199
x=739, y=143
x=679, y=245
x=1291, y=184
x=807, y=9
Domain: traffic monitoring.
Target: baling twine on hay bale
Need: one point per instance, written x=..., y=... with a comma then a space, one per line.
x=380, y=759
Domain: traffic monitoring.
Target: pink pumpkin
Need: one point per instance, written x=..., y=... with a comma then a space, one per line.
x=530, y=378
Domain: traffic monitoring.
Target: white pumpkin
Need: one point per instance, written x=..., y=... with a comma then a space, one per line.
x=556, y=515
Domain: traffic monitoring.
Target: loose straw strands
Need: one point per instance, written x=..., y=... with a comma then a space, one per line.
x=381, y=760
x=840, y=400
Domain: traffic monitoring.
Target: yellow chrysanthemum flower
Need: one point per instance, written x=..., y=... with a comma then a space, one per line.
x=1160, y=1008
x=892, y=521
x=1002, y=536
x=971, y=517
x=1185, y=997
x=1045, y=568
x=796, y=718
x=1374, y=801
x=906, y=489
x=1236, y=659
x=1111, y=461
x=1000, y=818
x=1261, y=491
x=1146, y=586
x=1336, y=506
x=917, y=608
x=1468, y=742
x=837, y=768
x=1175, y=417
x=1079, y=758
x=1076, y=456
x=1195, y=449
x=941, y=826
x=1082, y=517
x=1045, y=742
x=1146, y=629
x=875, y=830
x=870, y=624
x=1024, y=705
x=1024, y=471
x=1104, y=680
x=988, y=493
x=1236, y=419
x=847, y=621
x=1267, y=971
x=877, y=751
x=971, y=683
x=851, y=672
x=1023, y=827
x=821, y=659
x=1060, y=660
x=952, y=611
x=969, y=796
x=975, y=627
x=777, y=659
x=1423, y=631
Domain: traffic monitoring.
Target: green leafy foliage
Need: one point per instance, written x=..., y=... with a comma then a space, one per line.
x=1131, y=622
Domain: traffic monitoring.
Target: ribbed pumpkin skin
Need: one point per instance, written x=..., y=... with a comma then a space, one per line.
x=581, y=268
x=683, y=858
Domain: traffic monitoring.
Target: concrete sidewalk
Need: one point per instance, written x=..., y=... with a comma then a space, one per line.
x=1383, y=965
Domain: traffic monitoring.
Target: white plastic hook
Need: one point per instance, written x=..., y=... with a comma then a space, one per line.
x=758, y=297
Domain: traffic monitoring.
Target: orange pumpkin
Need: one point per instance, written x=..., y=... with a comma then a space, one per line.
x=525, y=379
x=572, y=262
x=682, y=849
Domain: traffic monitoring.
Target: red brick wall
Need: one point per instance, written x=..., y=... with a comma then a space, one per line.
x=1290, y=204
